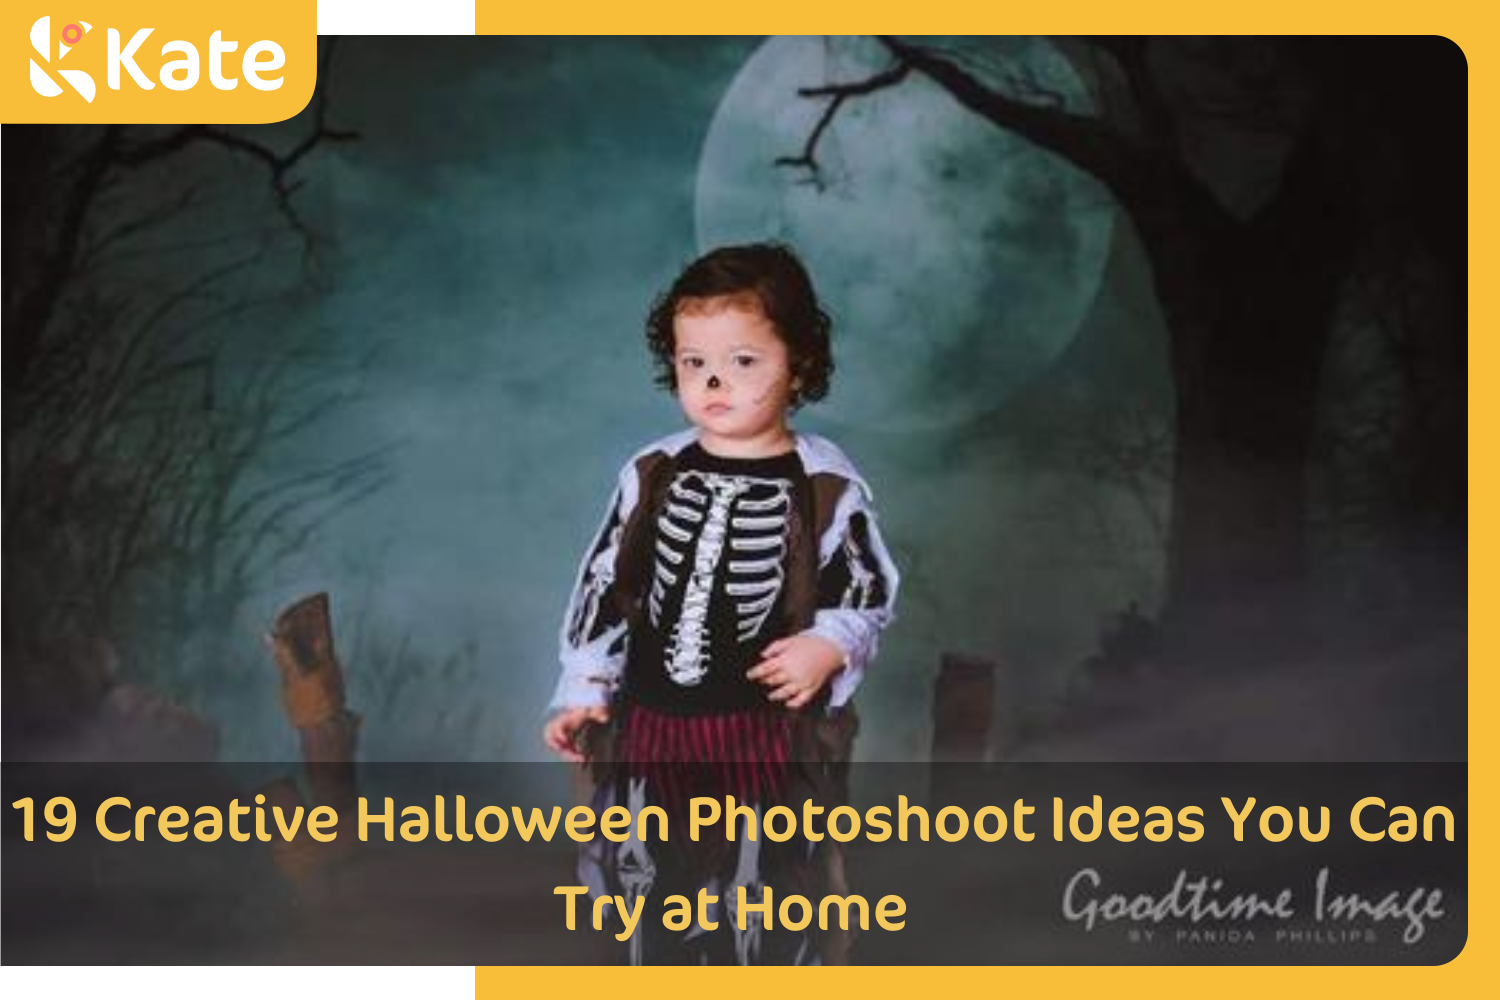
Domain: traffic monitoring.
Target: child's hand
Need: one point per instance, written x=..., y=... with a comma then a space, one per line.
x=797, y=667
x=563, y=729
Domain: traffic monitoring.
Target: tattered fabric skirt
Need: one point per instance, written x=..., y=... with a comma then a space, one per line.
x=666, y=760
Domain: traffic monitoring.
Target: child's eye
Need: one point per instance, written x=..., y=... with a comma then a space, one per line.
x=690, y=362
x=745, y=360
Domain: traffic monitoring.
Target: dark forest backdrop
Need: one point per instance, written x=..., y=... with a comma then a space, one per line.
x=1154, y=350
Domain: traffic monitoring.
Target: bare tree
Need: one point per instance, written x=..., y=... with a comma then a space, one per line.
x=136, y=498
x=1249, y=297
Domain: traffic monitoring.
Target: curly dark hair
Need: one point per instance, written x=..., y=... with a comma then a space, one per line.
x=772, y=274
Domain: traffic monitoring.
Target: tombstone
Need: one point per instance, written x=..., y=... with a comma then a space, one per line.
x=312, y=692
x=961, y=709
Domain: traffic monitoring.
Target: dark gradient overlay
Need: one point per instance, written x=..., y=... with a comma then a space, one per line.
x=88, y=900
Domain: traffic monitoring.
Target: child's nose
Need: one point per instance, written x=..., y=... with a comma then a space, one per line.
x=714, y=382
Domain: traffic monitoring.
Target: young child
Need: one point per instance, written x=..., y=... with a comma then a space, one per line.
x=727, y=609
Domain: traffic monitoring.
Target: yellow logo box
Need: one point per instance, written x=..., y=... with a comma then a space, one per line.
x=157, y=61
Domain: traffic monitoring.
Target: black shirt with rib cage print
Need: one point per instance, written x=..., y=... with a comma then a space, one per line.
x=717, y=586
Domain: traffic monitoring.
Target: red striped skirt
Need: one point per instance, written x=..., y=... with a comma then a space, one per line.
x=744, y=754
x=666, y=760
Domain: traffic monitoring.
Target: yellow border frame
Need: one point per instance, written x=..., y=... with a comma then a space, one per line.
x=1465, y=24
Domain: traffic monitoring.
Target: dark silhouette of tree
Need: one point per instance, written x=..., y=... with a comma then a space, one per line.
x=1371, y=134
x=53, y=190
x=136, y=501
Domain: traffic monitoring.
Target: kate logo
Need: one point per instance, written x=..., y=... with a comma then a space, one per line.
x=41, y=40
x=161, y=61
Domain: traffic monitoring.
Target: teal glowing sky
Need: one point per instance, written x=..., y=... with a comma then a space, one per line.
x=489, y=249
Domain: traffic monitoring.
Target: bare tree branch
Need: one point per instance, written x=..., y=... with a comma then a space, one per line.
x=30, y=312
x=1087, y=142
x=33, y=308
x=837, y=93
x=1129, y=53
x=278, y=164
x=186, y=198
x=1131, y=168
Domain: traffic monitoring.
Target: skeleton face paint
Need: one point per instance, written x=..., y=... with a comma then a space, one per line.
x=734, y=377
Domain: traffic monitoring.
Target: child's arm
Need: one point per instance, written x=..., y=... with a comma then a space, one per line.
x=856, y=599
x=592, y=644
x=563, y=732
x=796, y=668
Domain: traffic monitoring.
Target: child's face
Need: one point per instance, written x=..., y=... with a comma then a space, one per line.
x=734, y=376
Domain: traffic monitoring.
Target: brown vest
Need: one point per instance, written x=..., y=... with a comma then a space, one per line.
x=827, y=737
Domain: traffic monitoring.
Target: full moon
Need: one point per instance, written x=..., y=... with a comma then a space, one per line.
x=958, y=259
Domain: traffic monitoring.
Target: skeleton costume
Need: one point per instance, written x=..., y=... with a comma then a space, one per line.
x=702, y=562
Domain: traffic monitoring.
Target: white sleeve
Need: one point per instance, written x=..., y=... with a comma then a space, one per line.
x=857, y=584
x=592, y=646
